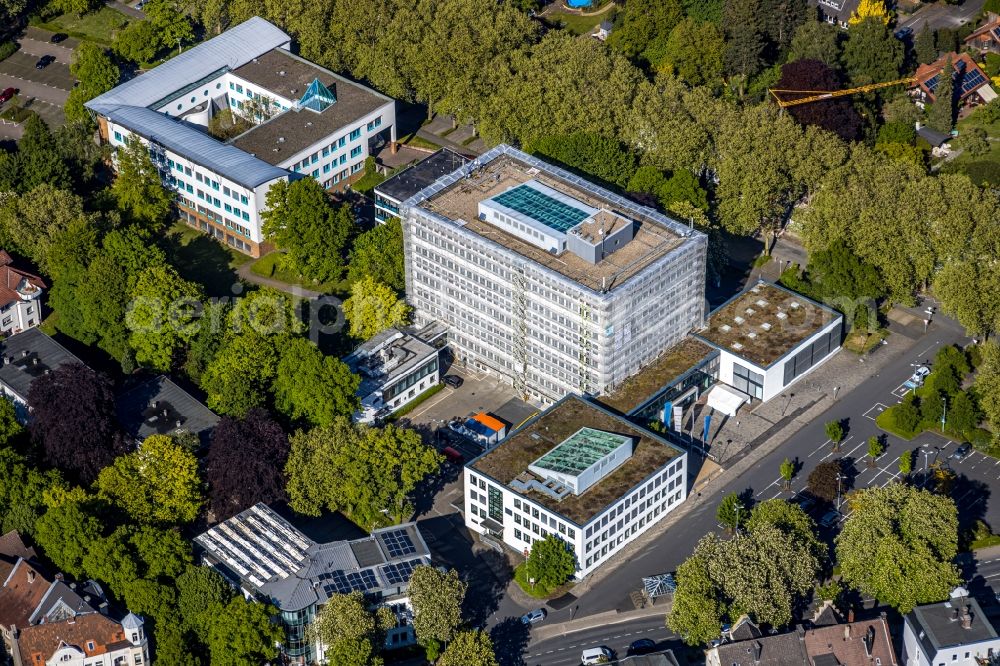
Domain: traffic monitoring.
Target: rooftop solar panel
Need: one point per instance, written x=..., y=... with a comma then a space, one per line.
x=398, y=542
x=345, y=582
x=972, y=80
x=400, y=572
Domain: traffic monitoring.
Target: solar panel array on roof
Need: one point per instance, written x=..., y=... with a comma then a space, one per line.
x=398, y=542
x=400, y=572
x=540, y=206
x=972, y=80
x=345, y=582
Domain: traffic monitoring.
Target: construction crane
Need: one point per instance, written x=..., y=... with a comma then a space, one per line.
x=820, y=95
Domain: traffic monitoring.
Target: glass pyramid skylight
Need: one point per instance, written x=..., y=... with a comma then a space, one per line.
x=318, y=97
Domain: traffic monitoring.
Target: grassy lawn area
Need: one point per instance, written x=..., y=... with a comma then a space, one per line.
x=980, y=168
x=860, y=342
x=538, y=591
x=99, y=26
x=269, y=266
x=887, y=421
x=204, y=260
x=577, y=24
x=419, y=142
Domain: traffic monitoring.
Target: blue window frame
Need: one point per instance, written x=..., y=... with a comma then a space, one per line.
x=118, y=136
x=355, y=151
x=201, y=195
x=215, y=185
x=246, y=216
x=326, y=152
x=355, y=134
x=249, y=93
x=187, y=171
x=236, y=195
x=315, y=173
x=244, y=200
x=170, y=163
x=232, y=86
x=236, y=211
x=180, y=168
x=342, y=160
x=197, y=176
x=314, y=158
x=326, y=168
x=225, y=190
x=189, y=188
x=342, y=142
x=229, y=209
x=216, y=202
x=239, y=88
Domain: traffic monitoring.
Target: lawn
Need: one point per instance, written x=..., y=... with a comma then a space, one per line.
x=100, y=26
x=204, y=260
x=578, y=24
x=415, y=141
x=860, y=341
x=981, y=168
x=537, y=591
x=269, y=266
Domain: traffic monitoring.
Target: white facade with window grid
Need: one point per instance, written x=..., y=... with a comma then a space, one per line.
x=525, y=520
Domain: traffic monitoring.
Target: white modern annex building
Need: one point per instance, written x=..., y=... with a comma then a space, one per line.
x=553, y=283
x=580, y=472
x=305, y=122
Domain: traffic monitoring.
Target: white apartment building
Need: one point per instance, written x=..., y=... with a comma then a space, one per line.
x=20, y=297
x=580, y=472
x=307, y=122
x=554, y=284
x=954, y=632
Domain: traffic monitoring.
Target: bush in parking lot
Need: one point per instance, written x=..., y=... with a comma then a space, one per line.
x=7, y=49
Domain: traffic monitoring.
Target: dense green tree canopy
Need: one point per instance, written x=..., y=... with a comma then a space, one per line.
x=644, y=27
x=96, y=73
x=312, y=386
x=378, y=253
x=470, y=648
x=162, y=315
x=588, y=153
x=550, y=563
x=437, y=603
x=898, y=545
x=138, y=189
x=374, y=307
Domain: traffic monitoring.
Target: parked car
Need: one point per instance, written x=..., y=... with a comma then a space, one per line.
x=453, y=381
x=961, y=451
x=807, y=503
x=534, y=617
x=641, y=647
x=829, y=519
x=45, y=61
x=58, y=37
x=918, y=377
x=903, y=33
x=453, y=456
x=597, y=655
x=7, y=94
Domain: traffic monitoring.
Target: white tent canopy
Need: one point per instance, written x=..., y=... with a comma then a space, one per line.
x=726, y=400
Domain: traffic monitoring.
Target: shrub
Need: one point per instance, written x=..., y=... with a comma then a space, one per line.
x=7, y=49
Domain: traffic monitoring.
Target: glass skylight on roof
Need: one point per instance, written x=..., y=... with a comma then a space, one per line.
x=539, y=206
x=584, y=458
x=317, y=97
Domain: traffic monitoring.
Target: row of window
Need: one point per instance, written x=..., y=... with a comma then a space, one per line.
x=233, y=194
x=630, y=517
x=356, y=151
x=650, y=486
x=609, y=547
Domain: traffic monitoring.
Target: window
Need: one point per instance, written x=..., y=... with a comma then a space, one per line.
x=244, y=200
x=326, y=152
x=342, y=142
x=189, y=188
x=249, y=93
x=197, y=176
x=193, y=98
x=355, y=151
x=357, y=167
x=215, y=185
x=218, y=86
x=90, y=645
x=180, y=168
x=313, y=158
x=246, y=216
x=315, y=173
x=517, y=534
x=201, y=195
x=187, y=171
x=326, y=168
x=748, y=381
x=342, y=160
x=229, y=209
x=356, y=134
x=232, y=86
x=239, y=88
x=216, y=202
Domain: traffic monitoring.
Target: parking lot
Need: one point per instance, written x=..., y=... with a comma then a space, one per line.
x=44, y=91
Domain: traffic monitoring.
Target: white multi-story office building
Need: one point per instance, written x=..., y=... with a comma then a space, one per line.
x=577, y=471
x=306, y=121
x=547, y=280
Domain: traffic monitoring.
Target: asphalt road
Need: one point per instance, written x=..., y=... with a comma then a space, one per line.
x=940, y=15
x=808, y=447
x=566, y=649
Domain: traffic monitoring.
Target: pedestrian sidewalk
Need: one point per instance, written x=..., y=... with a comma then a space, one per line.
x=295, y=290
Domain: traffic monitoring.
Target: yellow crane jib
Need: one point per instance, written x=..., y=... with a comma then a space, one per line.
x=819, y=95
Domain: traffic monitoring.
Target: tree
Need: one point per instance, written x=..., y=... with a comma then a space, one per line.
x=310, y=231
x=872, y=53
x=73, y=420
x=728, y=511
x=242, y=632
x=365, y=472
x=550, y=563
x=924, y=47
x=698, y=606
x=975, y=141
x=312, y=386
x=138, y=188
x=78, y=7
x=162, y=315
x=378, y=253
x=941, y=114
x=437, y=603
x=876, y=447
x=10, y=428
x=906, y=463
x=907, y=414
x=158, y=483
x=744, y=41
x=33, y=221
x=350, y=630
x=898, y=546
x=470, y=648
x=170, y=21
x=38, y=162
x=374, y=307
x=245, y=463
x=963, y=413
x=589, y=153
x=823, y=482
x=834, y=115
x=66, y=533
x=96, y=74
x=694, y=50
x=787, y=471
x=873, y=10
x=835, y=433
x=816, y=40
x=139, y=42
x=241, y=374
x=644, y=28
x=201, y=590
x=791, y=520
x=966, y=289
x=23, y=490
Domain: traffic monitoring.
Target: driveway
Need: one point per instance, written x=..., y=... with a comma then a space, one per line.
x=940, y=15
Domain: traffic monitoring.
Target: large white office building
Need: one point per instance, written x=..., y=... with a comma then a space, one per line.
x=580, y=472
x=555, y=284
x=307, y=122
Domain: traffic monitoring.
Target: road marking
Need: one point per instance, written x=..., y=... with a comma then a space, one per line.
x=821, y=447
x=849, y=438
x=879, y=407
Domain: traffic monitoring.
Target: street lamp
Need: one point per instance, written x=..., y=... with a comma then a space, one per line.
x=835, y=390
x=944, y=411
x=840, y=478
x=738, y=506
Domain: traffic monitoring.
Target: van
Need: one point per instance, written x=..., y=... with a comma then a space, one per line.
x=597, y=655
x=453, y=456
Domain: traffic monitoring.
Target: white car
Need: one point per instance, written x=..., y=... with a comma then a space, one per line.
x=597, y=655
x=918, y=376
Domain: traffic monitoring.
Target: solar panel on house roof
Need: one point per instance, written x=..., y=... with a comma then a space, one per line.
x=580, y=451
x=539, y=206
x=972, y=80
x=398, y=542
x=400, y=572
x=342, y=582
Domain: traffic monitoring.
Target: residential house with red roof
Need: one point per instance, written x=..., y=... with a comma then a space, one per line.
x=85, y=640
x=971, y=82
x=986, y=37
x=20, y=297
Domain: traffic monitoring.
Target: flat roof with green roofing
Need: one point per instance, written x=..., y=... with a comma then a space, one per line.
x=668, y=366
x=578, y=452
x=543, y=433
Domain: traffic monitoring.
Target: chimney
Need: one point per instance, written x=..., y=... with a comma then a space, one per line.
x=847, y=632
x=966, y=618
x=850, y=615
x=869, y=640
x=59, y=576
x=31, y=575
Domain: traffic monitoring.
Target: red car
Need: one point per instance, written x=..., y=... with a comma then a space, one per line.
x=7, y=94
